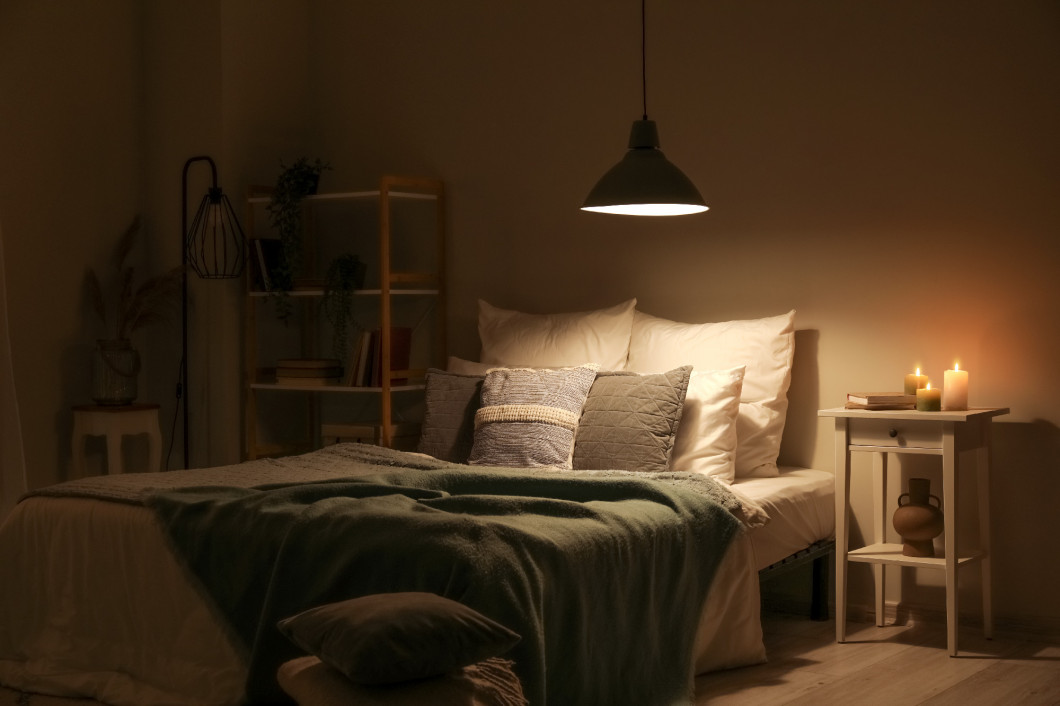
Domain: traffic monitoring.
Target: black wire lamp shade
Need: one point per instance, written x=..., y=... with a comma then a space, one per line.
x=644, y=183
x=214, y=247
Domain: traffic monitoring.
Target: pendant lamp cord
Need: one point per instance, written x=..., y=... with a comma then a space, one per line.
x=643, y=58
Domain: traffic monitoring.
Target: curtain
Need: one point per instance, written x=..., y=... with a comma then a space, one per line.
x=12, y=460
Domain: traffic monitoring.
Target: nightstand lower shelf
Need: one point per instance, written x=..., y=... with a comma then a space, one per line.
x=891, y=554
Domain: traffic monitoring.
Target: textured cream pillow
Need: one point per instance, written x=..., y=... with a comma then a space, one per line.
x=764, y=346
x=706, y=439
x=528, y=416
x=515, y=339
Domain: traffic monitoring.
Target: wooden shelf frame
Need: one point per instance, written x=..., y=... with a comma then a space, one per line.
x=393, y=284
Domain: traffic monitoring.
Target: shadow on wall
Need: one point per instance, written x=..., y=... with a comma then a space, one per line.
x=1024, y=487
x=800, y=429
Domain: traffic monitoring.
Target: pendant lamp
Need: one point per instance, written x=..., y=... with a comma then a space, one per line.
x=213, y=248
x=644, y=183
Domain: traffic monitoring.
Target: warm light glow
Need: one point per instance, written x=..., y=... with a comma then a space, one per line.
x=956, y=366
x=928, y=386
x=649, y=209
x=918, y=372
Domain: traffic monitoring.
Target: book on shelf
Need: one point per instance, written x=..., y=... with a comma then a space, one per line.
x=364, y=348
x=305, y=373
x=400, y=348
x=349, y=377
x=308, y=371
x=265, y=259
x=307, y=381
x=880, y=400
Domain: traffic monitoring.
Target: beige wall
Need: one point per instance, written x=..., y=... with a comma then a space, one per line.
x=71, y=162
x=889, y=170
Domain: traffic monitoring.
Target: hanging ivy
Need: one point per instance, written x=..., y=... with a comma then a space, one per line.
x=295, y=182
x=345, y=275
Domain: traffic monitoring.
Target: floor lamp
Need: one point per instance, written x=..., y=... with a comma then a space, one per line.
x=213, y=248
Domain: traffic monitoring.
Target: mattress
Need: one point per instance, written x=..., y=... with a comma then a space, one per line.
x=801, y=508
x=129, y=626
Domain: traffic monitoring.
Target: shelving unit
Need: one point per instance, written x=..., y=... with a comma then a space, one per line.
x=406, y=269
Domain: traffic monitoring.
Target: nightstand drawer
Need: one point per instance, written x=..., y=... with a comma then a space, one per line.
x=896, y=433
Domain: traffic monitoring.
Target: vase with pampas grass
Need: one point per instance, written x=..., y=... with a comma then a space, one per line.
x=129, y=308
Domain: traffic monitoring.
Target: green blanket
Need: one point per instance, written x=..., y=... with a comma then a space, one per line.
x=603, y=578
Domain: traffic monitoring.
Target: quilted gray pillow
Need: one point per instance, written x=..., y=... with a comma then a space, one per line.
x=528, y=416
x=449, y=418
x=629, y=421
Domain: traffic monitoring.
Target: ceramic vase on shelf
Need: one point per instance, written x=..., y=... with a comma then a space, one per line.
x=115, y=368
x=917, y=520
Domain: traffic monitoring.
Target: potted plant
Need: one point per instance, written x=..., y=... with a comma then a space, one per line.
x=294, y=183
x=116, y=364
x=345, y=274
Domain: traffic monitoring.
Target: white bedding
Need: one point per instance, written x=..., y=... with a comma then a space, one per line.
x=78, y=624
x=801, y=511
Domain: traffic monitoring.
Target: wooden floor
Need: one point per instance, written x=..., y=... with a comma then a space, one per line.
x=893, y=665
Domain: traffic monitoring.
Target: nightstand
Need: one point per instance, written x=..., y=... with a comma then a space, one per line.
x=115, y=422
x=945, y=434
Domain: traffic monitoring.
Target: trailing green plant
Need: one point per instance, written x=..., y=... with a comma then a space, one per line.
x=294, y=183
x=345, y=275
x=132, y=307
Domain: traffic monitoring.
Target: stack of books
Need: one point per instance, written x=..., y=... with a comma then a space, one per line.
x=880, y=400
x=308, y=371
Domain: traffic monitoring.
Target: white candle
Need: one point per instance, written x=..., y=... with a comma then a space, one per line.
x=955, y=389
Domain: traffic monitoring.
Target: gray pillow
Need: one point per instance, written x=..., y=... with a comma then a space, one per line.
x=629, y=421
x=528, y=416
x=449, y=419
x=386, y=638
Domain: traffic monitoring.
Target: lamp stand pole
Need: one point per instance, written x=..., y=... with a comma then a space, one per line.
x=183, y=390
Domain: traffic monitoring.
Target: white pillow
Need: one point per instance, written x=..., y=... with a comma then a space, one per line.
x=706, y=437
x=764, y=346
x=466, y=367
x=512, y=338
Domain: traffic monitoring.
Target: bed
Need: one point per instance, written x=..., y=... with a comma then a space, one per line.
x=162, y=589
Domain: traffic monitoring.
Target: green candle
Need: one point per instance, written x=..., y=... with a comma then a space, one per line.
x=928, y=399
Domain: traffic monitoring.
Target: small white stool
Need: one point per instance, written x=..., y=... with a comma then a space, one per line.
x=114, y=422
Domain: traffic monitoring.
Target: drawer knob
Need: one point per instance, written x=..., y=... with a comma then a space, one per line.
x=893, y=433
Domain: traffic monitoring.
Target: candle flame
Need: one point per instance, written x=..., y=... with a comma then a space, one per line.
x=918, y=372
x=956, y=367
x=928, y=386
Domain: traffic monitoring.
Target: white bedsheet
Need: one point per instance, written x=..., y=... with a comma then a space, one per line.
x=801, y=508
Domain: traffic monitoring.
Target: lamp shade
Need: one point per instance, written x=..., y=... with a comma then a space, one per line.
x=215, y=243
x=644, y=183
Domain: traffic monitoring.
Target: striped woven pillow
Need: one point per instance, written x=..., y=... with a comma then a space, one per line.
x=528, y=417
